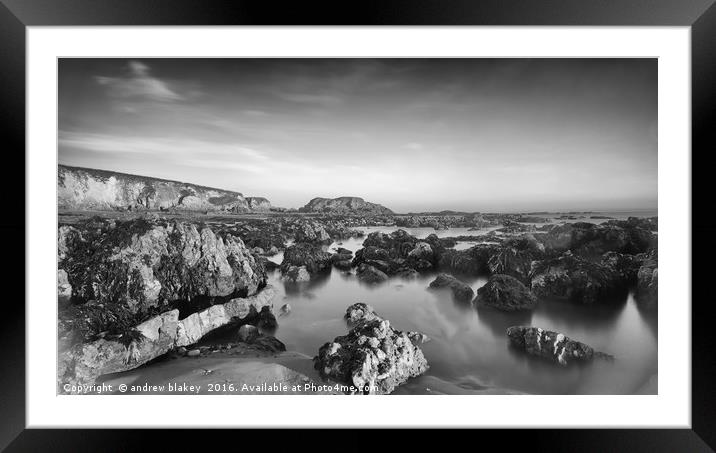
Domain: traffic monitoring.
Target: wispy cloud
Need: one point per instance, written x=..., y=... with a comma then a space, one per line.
x=139, y=83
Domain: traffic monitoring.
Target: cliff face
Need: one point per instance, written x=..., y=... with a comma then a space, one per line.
x=344, y=205
x=86, y=188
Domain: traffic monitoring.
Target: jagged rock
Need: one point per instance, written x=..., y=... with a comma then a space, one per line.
x=309, y=255
x=64, y=289
x=515, y=256
x=344, y=205
x=269, y=344
x=248, y=333
x=370, y=274
x=505, y=293
x=461, y=291
x=550, y=345
x=572, y=278
x=139, y=266
x=90, y=189
x=296, y=274
x=285, y=310
x=373, y=358
x=422, y=251
x=359, y=312
x=84, y=362
x=266, y=319
x=418, y=338
x=312, y=232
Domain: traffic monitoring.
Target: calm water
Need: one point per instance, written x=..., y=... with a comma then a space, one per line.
x=469, y=348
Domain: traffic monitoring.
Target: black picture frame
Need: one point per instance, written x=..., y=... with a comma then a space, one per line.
x=700, y=15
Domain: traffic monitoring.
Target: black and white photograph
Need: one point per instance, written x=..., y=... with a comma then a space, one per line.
x=364, y=226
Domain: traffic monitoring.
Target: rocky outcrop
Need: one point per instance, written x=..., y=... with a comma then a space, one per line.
x=505, y=293
x=312, y=232
x=310, y=256
x=344, y=205
x=515, y=257
x=589, y=239
x=398, y=253
x=552, y=346
x=90, y=189
x=122, y=272
x=84, y=362
x=370, y=274
x=373, y=358
x=572, y=278
x=460, y=291
x=258, y=203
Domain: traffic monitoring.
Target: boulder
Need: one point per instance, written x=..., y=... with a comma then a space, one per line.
x=575, y=279
x=370, y=274
x=505, y=293
x=647, y=289
x=296, y=274
x=461, y=291
x=311, y=256
x=359, y=312
x=312, y=232
x=248, y=333
x=373, y=358
x=552, y=346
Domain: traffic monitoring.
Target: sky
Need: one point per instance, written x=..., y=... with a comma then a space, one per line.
x=488, y=135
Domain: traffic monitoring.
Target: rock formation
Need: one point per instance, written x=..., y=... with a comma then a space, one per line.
x=461, y=291
x=344, y=205
x=505, y=293
x=258, y=203
x=90, y=189
x=550, y=345
x=373, y=358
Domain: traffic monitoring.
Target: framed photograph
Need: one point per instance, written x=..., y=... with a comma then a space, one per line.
x=416, y=216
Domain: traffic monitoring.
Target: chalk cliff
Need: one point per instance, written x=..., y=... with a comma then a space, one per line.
x=90, y=189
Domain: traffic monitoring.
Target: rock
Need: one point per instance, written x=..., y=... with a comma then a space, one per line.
x=575, y=279
x=248, y=333
x=373, y=358
x=343, y=265
x=344, y=205
x=269, y=344
x=84, y=362
x=461, y=291
x=407, y=274
x=370, y=274
x=505, y=293
x=418, y=338
x=193, y=353
x=266, y=319
x=647, y=290
x=422, y=251
x=139, y=267
x=90, y=189
x=285, y=310
x=590, y=240
x=268, y=265
x=359, y=312
x=296, y=274
x=312, y=232
x=515, y=256
x=311, y=256
x=64, y=289
x=181, y=351
x=550, y=345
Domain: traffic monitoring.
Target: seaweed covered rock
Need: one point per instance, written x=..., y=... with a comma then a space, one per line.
x=370, y=274
x=576, y=279
x=550, y=345
x=460, y=290
x=505, y=293
x=589, y=239
x=515, y=256
x=140, y=267
x=373, y=358
x=647, y=290
x=398, y=251
x=311, y=256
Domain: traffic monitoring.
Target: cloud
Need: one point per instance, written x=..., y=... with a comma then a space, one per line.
x=139, y=84
x=307, y=98
x=413, y=146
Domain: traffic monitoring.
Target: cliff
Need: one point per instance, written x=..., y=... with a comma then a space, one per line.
x=86, y=188
x=258, y=203
x=344, y=205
